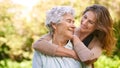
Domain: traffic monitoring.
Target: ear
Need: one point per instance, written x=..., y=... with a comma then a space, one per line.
x=53, y=25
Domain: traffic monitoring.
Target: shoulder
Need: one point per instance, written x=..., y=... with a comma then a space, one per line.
x=95, y=43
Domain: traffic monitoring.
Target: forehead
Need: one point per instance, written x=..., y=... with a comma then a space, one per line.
x=68, y=15
x=91, y=15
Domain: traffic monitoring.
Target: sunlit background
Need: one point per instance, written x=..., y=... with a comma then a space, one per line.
x=22, y=23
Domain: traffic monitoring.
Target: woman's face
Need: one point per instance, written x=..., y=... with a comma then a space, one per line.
x=88, y=22
x=66, y=26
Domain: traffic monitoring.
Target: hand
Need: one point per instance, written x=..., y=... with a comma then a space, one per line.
x=75, y=40
x=74, y=55
x=75, y=37
x=62, y=51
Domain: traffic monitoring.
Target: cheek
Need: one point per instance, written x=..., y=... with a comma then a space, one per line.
x=81, y=21
x=92, y=28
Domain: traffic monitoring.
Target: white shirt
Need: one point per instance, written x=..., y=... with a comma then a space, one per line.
x=44, y=61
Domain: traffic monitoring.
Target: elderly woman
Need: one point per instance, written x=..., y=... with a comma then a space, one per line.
x=94, y=35
x=60, y=21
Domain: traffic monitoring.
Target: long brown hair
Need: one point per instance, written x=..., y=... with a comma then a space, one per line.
x=104, y=23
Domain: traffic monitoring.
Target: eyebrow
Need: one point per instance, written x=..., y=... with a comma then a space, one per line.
x=89, y=19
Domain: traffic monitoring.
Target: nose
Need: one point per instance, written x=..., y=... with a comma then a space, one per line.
x=84, y=22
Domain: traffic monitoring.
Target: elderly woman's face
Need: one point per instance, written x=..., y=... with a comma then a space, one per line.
x=66, y=26
x=88, y=22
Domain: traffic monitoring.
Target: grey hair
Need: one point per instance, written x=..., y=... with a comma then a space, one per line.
x=55, y=14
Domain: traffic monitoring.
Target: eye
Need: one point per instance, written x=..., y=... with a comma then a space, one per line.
x=85, y=17
x=70, y=21
x=91, y=22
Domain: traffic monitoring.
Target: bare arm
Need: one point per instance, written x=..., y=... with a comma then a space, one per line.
x=85, y=54
x=42, y=45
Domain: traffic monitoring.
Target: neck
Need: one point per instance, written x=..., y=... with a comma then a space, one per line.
x=59, y=40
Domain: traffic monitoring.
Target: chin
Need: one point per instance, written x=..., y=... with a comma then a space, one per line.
x=69, y=35
x=83, y=30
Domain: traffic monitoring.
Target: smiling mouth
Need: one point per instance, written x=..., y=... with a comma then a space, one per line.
x=84, y=27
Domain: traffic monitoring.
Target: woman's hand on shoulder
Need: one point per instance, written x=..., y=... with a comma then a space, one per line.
x=76, y=39
x=74, y=55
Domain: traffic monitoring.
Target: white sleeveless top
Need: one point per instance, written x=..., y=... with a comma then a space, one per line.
x=44, y=61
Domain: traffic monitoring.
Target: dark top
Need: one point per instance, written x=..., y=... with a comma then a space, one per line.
x=88, y=39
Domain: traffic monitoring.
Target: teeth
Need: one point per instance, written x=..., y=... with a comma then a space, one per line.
x=71, y=29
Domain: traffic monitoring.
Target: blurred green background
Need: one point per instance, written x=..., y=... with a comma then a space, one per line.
x=22, y=23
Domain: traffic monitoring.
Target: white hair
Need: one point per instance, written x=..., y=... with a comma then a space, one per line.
x=55, y=14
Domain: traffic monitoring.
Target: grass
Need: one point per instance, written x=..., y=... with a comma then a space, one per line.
x=14, y=64
x=107, y=62
x=102, y=62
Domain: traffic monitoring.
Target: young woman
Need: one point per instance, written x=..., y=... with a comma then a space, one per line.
x=92, y=37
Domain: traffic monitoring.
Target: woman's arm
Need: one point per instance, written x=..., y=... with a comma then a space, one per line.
x=85, y=54
x=43, y=46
